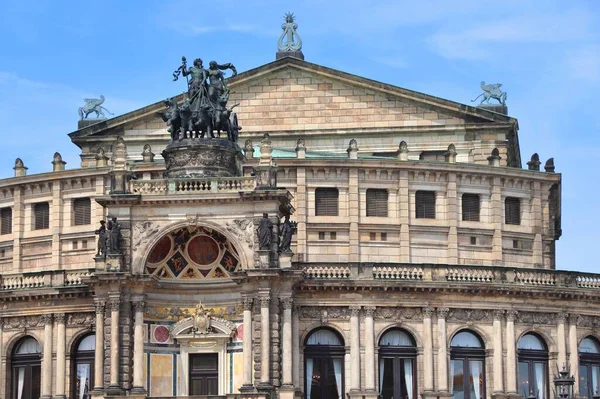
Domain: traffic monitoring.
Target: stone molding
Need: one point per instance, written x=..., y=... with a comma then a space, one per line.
x=470, y=315
x=81, y=319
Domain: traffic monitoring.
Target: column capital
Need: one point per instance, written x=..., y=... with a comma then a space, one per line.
x=60, y=318
x=428, y=312
x=369, y=311
x=264, y=301
x=139, y=306
x=561, y=317
x=354, y=310
x=574, y=319
x=511, y=314
x=114, y=303
x=46, y=319
x=100, y=304
x=287, y=303
x=247, y=303
x=442, y=312
x=498, y=314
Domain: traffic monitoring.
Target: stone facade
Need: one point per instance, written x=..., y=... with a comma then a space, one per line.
x=191, y=282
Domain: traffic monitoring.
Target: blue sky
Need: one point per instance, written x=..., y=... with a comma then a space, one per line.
x=546, y=53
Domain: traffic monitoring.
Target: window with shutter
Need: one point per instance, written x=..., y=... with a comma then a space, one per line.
x=512, y=210
x=326, y=202
x=425, y=204
x=5, y=221
x=82, y=209
x=377, y=202
x=470, y=207
x=41, y=214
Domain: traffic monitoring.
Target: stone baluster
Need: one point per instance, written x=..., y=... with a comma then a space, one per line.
x=247, y=350
x=497, y=356
x=61, y=355
x=427, y=350
x=354, y=349
x=287, y=341
x=46, y=390
x=115, y=304
x=442, y=313
x=562, y=340
x=574, y=350
x=265, y=342
x=369, y=349
x=99, y=351
x=138, y=348
x=511, y=353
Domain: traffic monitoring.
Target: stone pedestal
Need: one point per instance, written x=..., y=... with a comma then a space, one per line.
x=264, y=256
x=499, y=108
x=113, y=263
x=203, y=158
x=83, y=123
x=287, y=392
x=295, y=54
x=285, y=260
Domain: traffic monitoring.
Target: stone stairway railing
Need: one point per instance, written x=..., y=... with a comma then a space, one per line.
x=43, y=279
x=187, y=186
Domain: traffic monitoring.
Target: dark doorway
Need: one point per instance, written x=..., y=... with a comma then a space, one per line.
x=26, y=369
x=204, y=374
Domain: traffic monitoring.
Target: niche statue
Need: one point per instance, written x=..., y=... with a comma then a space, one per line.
x=288, y=229
x=265, y=231
x=101, y=232
x=113, y=242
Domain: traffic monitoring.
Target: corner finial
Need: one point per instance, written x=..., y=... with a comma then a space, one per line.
x=494, y=159
x=20, y=168
x=289, y=44
x=57, y=163
x=534, y=164
x=549, y=166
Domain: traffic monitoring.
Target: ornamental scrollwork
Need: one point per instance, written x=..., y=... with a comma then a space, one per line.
x=588, y=321
x=23, y=323
x=141, y=234
x=324, y=313
x=287, y=303
x=242, y=230
x=81, y=319
x=470, y=315
x=536, y=318
x=60, y=318
x=247, y=303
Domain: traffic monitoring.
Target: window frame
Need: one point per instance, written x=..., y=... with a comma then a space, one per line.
x=82, y=357
x=397, y=353
x=43, y=218
x=468, y=214
x=532, y=356
x=325, y=352
x=323, y=207
x=377, y=202
x=588, y=360
x=466, y=355
x=27, y=361
x=86, y=216
x=423, y=209
x=510, y=216
x=6, y=220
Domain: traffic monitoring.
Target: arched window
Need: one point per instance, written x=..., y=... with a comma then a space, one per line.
x=324, y=365
x=26, y=366
x=589, y=367
x=397, y=369
x=467, y=366
x=83, y=367
x=533, y=367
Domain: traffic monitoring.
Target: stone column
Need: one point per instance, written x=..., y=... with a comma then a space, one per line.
x=287, y=341
x=138, y=348
x=561, y=340
x=115, y=304
x=511, y=353
x=442, y=313
x=247, y=350
x=574, y=351
x=427, y=350
x=61, y=355
x=265, y=342
x=354, y=349
x=369, y=349
x=47, y=359
x=2, y=365
x=296, y=347
x=99, y=352
x=497, y=357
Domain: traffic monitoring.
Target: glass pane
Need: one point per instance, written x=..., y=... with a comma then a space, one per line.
x=458, y=379
x=28, y=346
x=212, y=384
x=315, y=386
x=386, y=371
x=466, y=339
x=595, y=379
x=589, y=345
x=82, y=381
x=540, y=380
x=36, y=375
x=530, y=341
x=323, y=337
x=396, y=338
x=476, y=380
x=204, y=362
x=19, y=381
x=333, y=388
x=583, y=381
x=196, y=388
x=524, y=379
x=87, y=344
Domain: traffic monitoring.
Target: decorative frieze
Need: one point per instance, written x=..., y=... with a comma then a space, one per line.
x=325, y=313
x=398, y=313
x=23, y=323
x=536, y=318
x=470, y=315
x=81, y=319
x=141, y=234
x=176, y=313
x=588, y=321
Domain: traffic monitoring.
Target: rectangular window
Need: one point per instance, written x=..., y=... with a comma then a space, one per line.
x=41, y=216
x=470, y=207
x=373, y=236
x=512, y=210
x=383, y=236
x=473, y=240
x=5, y=221
x=377, y=202
x=321, y=235
x=425, y=204
x=326, y=201
x=82, y=211
x=333, y=235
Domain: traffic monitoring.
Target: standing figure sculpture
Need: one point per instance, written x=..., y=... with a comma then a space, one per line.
x=265, y=233
x=491, y=91
x=196, y=86
x=93, y=105
x=289, y=34
x=114, y=237
x=287, y=231
x=218, y=92
x=101, y=232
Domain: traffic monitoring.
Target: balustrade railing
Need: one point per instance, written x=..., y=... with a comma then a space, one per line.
x=398, y=273
x=327, y=272
x=44, y=279
x=185, y=186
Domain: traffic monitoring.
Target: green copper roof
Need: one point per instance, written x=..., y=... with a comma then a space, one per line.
x=286, y=153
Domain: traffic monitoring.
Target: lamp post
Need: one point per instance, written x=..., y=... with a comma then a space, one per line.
x=564, y=384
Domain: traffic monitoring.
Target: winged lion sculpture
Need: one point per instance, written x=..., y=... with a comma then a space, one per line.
x=491, y=91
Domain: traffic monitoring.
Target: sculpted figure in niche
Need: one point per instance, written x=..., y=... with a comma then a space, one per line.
x=114, y=237
x=265, y=231
x=287, y=231
x=101, y=232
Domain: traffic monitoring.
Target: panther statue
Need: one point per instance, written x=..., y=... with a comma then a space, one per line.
x=491, y=91
x=93, y=105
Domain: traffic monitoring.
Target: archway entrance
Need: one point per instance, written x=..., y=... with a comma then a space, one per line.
x=26, y=364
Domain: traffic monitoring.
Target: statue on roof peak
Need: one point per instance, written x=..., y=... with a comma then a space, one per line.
x=93, y=105
x=289, y=34
x=491, y=91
